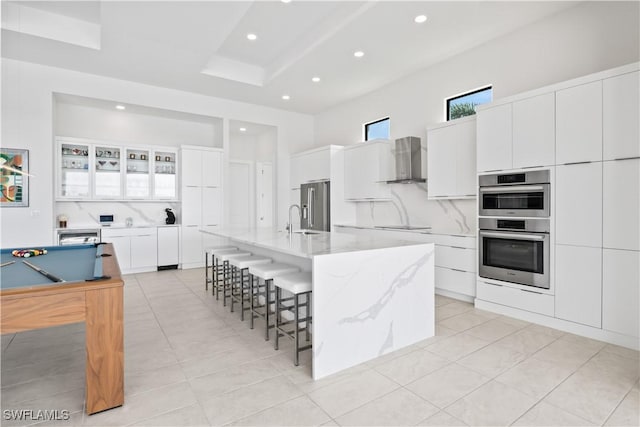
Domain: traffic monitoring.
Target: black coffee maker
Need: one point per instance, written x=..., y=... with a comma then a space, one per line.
x=171, y=218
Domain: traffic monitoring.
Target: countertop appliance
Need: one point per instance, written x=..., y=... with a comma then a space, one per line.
x=408, y=161
x=515, y=250
x=522, y=194
x=78, y=236
x=315, y=204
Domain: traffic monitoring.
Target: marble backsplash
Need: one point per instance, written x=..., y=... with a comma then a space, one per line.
x=87, y=214
x=409, y=206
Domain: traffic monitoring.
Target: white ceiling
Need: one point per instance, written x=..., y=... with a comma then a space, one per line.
x=202, y=46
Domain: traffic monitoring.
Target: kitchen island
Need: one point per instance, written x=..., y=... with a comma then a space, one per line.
x=371, y=296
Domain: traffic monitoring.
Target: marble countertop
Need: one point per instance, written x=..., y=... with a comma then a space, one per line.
x=114, y=226
x=308, y=246
x=417, y=231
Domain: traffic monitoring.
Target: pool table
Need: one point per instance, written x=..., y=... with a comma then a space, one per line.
x=91, y=291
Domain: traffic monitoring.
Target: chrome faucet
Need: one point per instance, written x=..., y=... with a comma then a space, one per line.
x=290, y=224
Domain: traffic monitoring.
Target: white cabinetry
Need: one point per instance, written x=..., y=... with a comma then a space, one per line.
x=451, y=149
x=579, y=204
x=579, y=123
x=312, y=165
x=620, y=115
x=579, y=284
x=168, y=245
x=494, y=138
x=202, y=198
x=367, y=167
x=534, y=131
x=136, y=248
x=621, y=292
x=516, y=135
x=621, y=204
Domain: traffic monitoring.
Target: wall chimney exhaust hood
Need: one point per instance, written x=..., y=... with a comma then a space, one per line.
x=408, y=161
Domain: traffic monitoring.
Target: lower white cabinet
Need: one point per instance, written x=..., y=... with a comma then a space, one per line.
x=454, y=280
x=579, y=284
x=136, y=248
x=621, y=291
x=191, y=246
x=168, y=245
x=517, y=298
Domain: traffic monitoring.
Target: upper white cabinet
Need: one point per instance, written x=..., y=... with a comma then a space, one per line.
x=312, y=165
x=451, y=149
x=621, y=116
x=95, y=170
x=520, y=134
x=534, y=131
x=621, y=204
x=494, y=138
x=74, y=165
x=579, y=123
x=367, y=167
x=211, y=169
x=579, y=204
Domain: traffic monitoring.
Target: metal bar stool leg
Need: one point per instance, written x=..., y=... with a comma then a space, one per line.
x=296, y=319
x=267, y=307
x=206, y=271
x=277, y=318
x=308, y=321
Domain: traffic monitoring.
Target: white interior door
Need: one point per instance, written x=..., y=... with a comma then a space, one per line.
x=241, y=194
x=264, y=194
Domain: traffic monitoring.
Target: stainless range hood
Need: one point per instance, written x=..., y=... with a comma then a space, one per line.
x=408, y=161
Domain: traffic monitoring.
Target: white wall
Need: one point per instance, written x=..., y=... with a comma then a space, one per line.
x=27, y=122
x=84, y=121
x=584, y=39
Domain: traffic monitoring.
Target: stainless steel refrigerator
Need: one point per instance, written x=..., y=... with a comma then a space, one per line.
x=314, y=201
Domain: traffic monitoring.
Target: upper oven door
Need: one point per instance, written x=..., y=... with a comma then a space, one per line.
x=515, y=257
x=515, y=200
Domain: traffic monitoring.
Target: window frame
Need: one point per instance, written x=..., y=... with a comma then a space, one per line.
x=447, y=101
x=367, y=124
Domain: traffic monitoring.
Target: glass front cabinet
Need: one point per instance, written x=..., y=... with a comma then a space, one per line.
x=90, y=170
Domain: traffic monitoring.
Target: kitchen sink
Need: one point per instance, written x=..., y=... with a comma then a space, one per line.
x=305, y=232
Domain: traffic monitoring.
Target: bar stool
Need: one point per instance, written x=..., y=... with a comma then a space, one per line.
x=298, y=284
x=210, y=250
x=217, y=269
x=261, y=295
x=226, y=271
x=240, y=278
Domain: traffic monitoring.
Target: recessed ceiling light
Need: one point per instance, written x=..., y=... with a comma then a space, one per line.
x=286, y=97
x=315, y=79
x=285, y=1
x=358, y=54
x=252, y=36
x=243, y=129
x=420, y=19
x=120, y=107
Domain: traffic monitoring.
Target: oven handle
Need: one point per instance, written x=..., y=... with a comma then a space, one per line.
x=513, y=235
x=511, y=189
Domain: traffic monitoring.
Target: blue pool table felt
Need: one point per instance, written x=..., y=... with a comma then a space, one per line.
x=75, y=263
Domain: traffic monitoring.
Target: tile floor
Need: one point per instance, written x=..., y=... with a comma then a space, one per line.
x=189, y=361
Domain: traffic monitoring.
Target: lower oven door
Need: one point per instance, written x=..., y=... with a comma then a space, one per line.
x=515, y=257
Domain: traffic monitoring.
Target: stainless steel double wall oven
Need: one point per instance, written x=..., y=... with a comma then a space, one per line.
x=514, y=224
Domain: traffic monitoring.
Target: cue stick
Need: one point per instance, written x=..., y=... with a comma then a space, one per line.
x=43, y=272
x=6, y=263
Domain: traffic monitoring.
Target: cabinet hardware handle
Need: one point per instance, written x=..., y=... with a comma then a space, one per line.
x=493, y=284
x=457, y=269
x=627, y=158
x=531, y=292
x=577, y=163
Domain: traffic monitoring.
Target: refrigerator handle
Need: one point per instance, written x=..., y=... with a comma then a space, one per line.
x=311, y=201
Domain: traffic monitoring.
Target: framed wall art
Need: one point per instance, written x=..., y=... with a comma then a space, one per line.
x=14, y=177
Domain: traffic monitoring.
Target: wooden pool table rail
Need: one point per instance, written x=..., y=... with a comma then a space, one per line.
x=100, y=305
